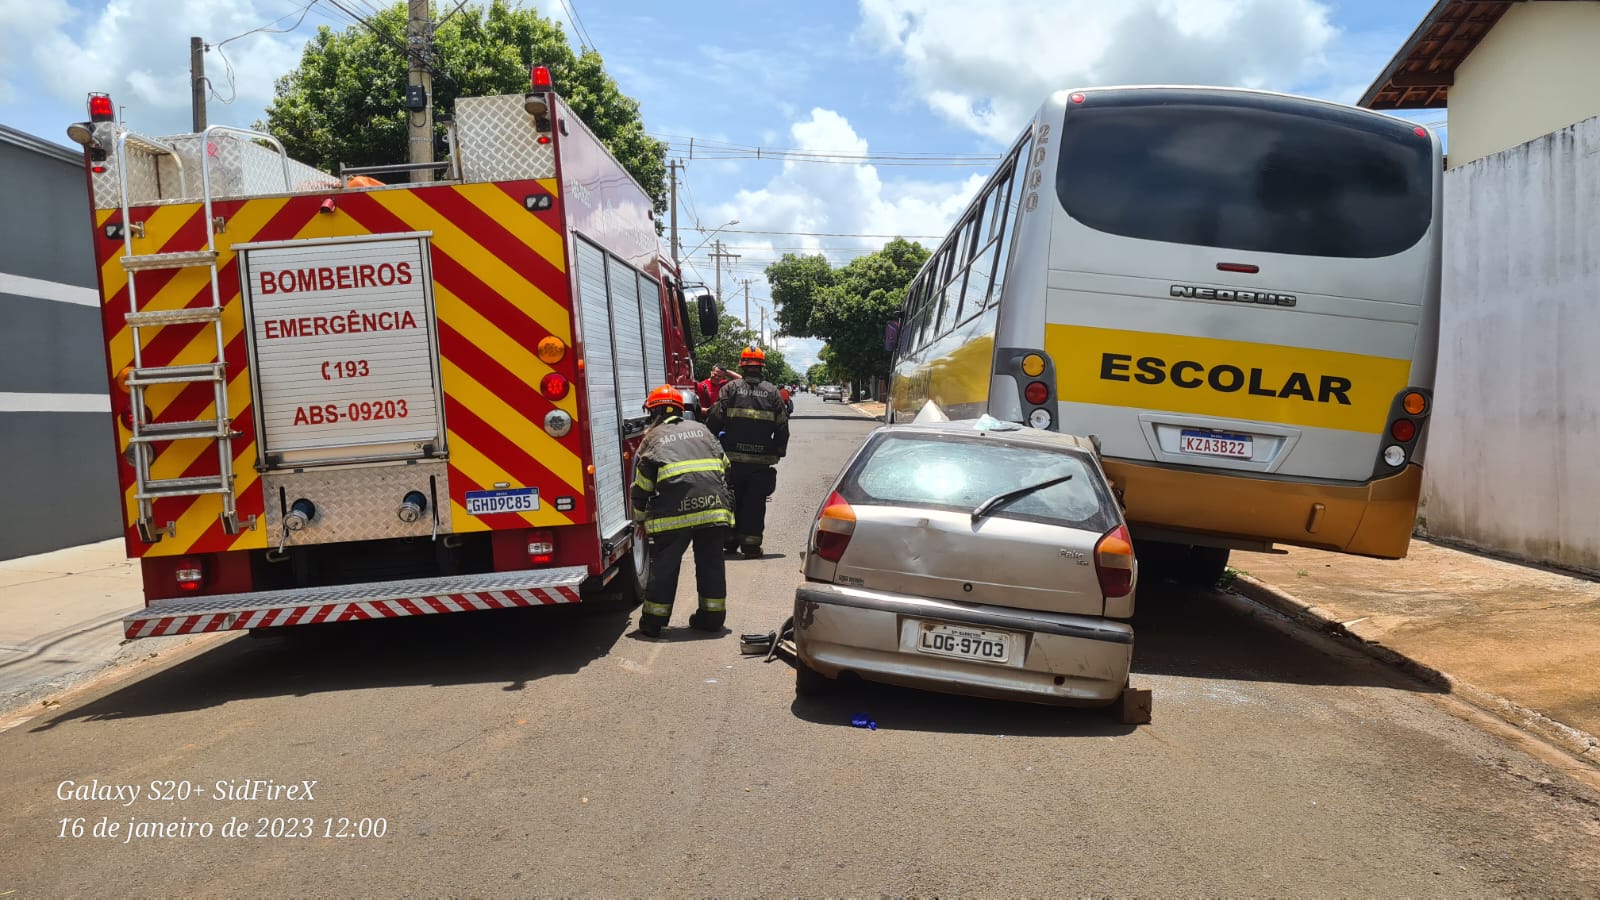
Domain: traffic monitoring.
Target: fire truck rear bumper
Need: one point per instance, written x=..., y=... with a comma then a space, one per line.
x=350, y=602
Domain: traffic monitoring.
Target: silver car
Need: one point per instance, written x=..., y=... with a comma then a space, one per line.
x=973, y=558
x=831, y=392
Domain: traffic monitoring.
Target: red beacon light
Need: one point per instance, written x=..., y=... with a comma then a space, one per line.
x=100, y=108
x=540, y=77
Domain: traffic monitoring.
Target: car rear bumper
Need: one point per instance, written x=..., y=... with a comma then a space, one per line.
x=1057, y=659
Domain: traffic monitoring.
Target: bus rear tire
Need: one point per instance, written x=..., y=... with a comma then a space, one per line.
x=1202, y=567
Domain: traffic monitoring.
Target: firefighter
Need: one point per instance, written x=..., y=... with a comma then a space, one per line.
x=680, y=493
x=709, y=389
x=753, y=423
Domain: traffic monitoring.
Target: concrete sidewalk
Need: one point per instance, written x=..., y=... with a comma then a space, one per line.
x=1520, y=642
x=61, y=620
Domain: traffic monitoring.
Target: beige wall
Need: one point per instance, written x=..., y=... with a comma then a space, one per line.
x=1537, y=70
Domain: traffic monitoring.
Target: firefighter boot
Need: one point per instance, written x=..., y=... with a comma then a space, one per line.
x=750, y=546
x=652, y=618
x=710, y=616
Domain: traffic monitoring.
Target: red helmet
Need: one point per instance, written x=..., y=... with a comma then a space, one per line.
x=752, y=356
x=666, y=395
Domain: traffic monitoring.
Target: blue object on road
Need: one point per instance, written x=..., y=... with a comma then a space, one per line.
x=860, y=720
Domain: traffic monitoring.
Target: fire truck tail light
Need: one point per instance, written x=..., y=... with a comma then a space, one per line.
x=100, y=108
x=554, y=386
x=557, y=423
x=552, y=350
x=541, y=547
x=190, y=574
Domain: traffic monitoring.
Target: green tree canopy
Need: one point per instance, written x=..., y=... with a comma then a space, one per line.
x=344, y=103
x=848, y=307
x=724, y=348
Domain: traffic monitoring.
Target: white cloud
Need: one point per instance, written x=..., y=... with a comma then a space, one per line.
x=815, y=205
x=987, y=70
x=138, y=51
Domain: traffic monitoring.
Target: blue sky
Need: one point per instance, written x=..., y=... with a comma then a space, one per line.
x=865, y=84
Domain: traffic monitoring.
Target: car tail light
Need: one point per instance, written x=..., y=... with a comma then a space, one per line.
x=1113, y=562
x=835, y=524
x=541, y=547
x=190, y=574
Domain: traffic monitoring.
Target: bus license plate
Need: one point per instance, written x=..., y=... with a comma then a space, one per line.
x=965, y=643
x=1234, y=446
x=514, y=500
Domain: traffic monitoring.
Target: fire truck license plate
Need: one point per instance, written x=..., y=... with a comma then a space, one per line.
x=514, y=500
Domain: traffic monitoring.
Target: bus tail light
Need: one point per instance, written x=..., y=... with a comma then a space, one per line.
x=835, y=524
x=1113, y=563
x=1408, y=417
x=1034, y=374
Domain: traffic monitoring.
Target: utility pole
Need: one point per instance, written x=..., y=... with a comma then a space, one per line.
x=419, y=93
x=719, y=256
x=763, y=317
x=673, y=166
x=746, y=282
x=197, y=82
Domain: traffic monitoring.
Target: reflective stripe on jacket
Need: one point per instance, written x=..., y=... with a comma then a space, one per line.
x=678, y=481
x=753, y=421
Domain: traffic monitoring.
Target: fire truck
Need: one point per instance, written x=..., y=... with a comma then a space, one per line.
x=337, y=399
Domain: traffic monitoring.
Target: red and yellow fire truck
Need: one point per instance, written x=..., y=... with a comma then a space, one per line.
x=337, y=402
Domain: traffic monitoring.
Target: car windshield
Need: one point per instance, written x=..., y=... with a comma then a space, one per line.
x=957, y=473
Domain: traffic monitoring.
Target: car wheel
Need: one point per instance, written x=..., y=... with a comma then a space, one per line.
x=627, y=589
x=808, y=682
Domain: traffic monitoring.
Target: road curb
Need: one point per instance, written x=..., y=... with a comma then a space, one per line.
x=1576, y=742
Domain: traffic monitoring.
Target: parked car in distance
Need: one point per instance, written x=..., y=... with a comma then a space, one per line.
x=831, y=392
x=978, y=558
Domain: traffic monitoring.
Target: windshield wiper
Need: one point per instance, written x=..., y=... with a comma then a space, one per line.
x=990, y=504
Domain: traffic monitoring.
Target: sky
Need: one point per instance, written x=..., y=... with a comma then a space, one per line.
x=901, y=107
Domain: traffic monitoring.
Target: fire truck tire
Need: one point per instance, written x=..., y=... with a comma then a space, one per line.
x=627, y=588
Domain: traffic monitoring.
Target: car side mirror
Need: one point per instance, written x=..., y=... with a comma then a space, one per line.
x=708, y=314
x=891, y=336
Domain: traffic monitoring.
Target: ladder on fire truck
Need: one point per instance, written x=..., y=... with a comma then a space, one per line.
x=218, y=429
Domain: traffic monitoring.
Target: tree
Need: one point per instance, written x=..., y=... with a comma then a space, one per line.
x=344, y=103
x=794, y=281
x=818, y=374
x=724, y=348
x=848, y=307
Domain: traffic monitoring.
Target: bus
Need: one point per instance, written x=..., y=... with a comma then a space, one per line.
x=1234, y=292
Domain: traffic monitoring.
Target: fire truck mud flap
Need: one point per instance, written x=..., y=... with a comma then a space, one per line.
x=351, y=602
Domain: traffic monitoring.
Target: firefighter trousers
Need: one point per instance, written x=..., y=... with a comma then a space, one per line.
x=752, y=484
x=666, y=556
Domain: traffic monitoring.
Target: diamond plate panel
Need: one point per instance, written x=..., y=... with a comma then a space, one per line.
x=526, y=579
x=356, y=504
x=497, y=142
x=239, y=168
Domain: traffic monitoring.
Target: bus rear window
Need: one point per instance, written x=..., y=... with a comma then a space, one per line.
x=1245, y=172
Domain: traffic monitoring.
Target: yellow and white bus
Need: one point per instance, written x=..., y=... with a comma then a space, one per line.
x=1236, y=292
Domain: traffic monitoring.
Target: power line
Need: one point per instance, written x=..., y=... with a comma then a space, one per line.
x=233, y=84
x=571, y=6
x=909, y=237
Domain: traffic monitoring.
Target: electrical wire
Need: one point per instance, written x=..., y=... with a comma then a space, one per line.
x=571, y=6
x=227, y=65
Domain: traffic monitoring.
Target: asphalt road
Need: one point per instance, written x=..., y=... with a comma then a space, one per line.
x=550, y=752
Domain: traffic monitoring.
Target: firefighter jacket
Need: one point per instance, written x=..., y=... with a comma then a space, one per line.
x=753, y=421
x=678, y=481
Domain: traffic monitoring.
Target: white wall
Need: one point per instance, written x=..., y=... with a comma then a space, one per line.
x=1538, y=69
x=1513, y=461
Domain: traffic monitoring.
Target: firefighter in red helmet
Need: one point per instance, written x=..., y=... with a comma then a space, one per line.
x=681, y=495
x=753, y=422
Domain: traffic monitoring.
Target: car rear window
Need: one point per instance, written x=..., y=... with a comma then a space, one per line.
x=957, y=473
x=1245, y=172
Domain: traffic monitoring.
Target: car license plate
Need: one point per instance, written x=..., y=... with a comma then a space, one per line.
x=513, y=500
x=965, y=643
x=1235, y=446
